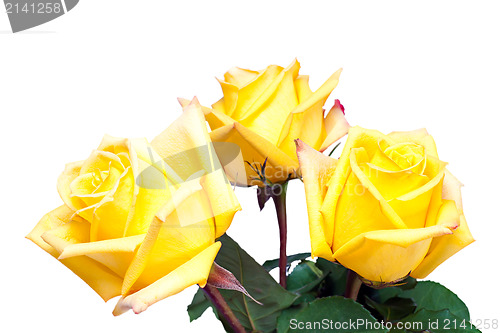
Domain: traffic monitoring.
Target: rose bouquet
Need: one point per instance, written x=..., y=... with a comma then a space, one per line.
x=144, y=221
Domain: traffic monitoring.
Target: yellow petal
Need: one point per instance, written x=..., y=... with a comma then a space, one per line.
x=185, y=145
x=223, y=202
x=49, y=221
x=273, y=106
x=167, y=243
x=256, y=149
x=308, y=123
x=230, y=99
x=419, y=136
x=126, y=244
x=151, y=190
x=444, y=247
x=58, y=233
x=388, y=255
x=194, y=271
x=393, y=184
x=321, y=94
x=358, y=137
x=114, y=145
x=220, y=106
x=101, y=160
x=254, y=93
x=308, y=126
x=302, y=88
x=115, y=254
x=240, y=76
x=316, y=171
x=306, y=120
x=110, y=216
x=215, y=117
x=71, y=171
x=360, y=207
x=71, y=232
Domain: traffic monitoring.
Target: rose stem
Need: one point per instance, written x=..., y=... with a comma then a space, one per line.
x=353, y=285
x=278, y=193
x=218, y=301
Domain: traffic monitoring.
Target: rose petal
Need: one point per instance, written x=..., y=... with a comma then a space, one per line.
x=256, y=149
x=444, y=247
x=194, y=271
x=316, y=170
x=388, y=255
x=58, y=232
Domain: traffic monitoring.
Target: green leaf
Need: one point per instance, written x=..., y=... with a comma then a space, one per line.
x=389, y=292
x=434, y=296
x=436, y=322
x=286, y=316
x=198, y=305
x=271, y=264
x=306, y=298
x=322, y=315
x=305, y=277
x=335, y=281
x=258, y=283
x=394, y=308
x=431, y=296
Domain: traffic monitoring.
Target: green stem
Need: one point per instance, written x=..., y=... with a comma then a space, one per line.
x=353, y=285
x=223, y=309
x=278, y=193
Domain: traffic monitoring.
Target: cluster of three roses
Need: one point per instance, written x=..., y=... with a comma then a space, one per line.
x=141, y=220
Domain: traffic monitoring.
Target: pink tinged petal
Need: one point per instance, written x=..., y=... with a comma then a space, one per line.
x=452, y=189
x=215, y=117
x=444, y=247
x=316, y=169
x=450, y=211
x=336, y=125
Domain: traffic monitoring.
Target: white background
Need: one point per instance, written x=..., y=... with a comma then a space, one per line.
x=117, y=67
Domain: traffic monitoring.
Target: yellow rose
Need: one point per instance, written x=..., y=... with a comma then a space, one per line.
x=140, y=220
x=387, y=208
x=264, y=111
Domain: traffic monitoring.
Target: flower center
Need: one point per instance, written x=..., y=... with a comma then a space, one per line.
x=405, y=155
